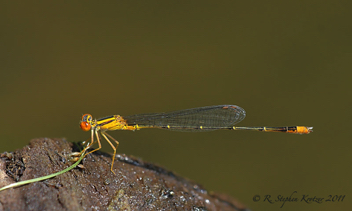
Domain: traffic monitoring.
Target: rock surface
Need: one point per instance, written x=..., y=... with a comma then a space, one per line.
x=137, y=185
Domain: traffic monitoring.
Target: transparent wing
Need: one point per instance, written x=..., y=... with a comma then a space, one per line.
x=210, y=118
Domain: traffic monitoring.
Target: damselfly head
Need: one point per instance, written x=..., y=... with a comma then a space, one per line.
x=86, y=122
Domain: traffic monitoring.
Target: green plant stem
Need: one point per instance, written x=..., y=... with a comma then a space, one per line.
x=44, y=177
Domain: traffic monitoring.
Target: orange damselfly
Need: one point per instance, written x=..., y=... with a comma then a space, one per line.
x=196, y=119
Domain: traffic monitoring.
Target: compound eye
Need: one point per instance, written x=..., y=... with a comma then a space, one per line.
x=85, y=126
x=86, y=118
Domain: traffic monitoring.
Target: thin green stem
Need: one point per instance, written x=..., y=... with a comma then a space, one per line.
x=44, y=177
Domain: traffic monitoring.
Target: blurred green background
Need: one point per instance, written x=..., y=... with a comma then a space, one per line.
x=285, y=63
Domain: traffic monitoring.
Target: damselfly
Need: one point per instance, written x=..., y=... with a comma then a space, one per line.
x=196, y=119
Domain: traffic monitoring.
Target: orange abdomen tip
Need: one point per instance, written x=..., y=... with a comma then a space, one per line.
x=304, y=129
